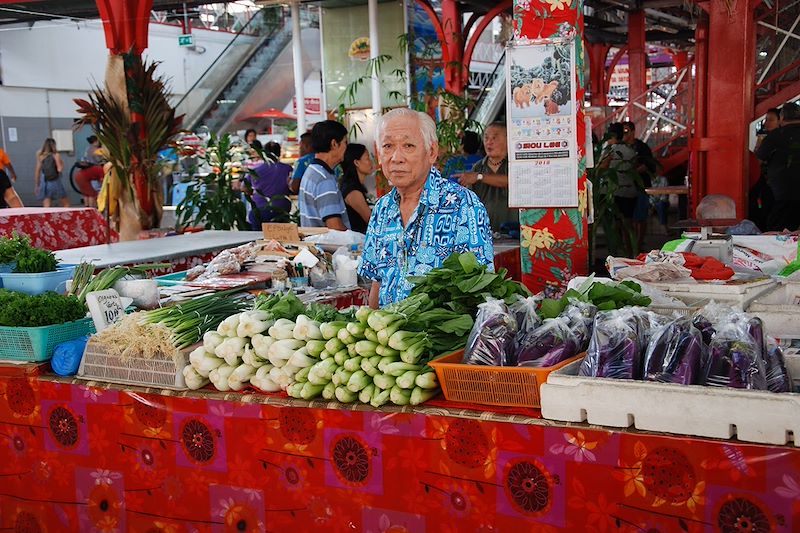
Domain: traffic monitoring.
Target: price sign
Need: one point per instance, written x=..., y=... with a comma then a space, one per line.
x=105, y=307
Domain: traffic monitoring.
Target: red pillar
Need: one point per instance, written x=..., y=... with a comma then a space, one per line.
x=729, y=100
x=637, y=62
x=452, y=28
x=698, y=158
x=125, y=23
x=597, y=73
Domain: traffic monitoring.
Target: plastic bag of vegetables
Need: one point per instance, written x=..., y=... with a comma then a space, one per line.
x=491, y=341
x=778, y=378
x=616, y=348
x=580, y=316
x=548, y=345
x=676, y=354
x=737, y=354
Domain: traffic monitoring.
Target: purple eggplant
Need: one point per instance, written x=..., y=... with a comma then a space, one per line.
x=705, y=327
x=778, y=378
x=615, y=350
x=548, y=345
x=675, y=354
x=491, y=341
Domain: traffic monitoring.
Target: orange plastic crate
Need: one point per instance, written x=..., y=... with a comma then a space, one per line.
x=512, y=386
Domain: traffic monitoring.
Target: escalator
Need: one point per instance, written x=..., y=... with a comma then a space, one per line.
x=492, y=96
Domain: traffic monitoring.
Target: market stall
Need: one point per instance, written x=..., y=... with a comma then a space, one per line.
x=85, y=456
x=57, y=228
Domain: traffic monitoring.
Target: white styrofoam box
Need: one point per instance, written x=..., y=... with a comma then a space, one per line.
x=779, y=309
x=737, y=293
x=752, y=416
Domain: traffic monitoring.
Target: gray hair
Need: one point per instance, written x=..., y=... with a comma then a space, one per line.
x=426, y=124
x=716, y=206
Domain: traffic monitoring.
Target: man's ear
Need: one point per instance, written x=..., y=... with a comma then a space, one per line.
x=433, y=155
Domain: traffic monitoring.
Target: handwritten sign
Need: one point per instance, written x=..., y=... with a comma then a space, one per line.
x=105, y=307
x=281, y=232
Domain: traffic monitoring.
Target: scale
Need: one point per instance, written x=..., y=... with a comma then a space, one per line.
x=710, y=241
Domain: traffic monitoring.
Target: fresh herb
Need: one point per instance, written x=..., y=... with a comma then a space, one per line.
x=11, y=246
x=84, y=283
x=18, y=309
x=462, y=283
x=605, y=296
x=35, y=260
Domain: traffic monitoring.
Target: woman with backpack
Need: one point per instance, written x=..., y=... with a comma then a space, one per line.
x=47, y=177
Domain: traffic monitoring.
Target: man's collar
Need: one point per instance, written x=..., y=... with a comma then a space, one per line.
x=430, y=192
x=323, y=164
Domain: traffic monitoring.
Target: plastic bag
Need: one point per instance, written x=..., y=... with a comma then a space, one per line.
x=616, y=348
x=737, y=354
x=528, y=321
x=491, y=341
x=548, y=345
x=778, y=378
x=676, y=354
x=67, y=356
x=580, y=316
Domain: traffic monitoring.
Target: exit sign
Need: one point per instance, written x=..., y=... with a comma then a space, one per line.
x=186, y=40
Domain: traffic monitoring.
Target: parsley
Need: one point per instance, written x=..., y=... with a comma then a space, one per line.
x=11, y=246
x=35, y=260
x=18, y=309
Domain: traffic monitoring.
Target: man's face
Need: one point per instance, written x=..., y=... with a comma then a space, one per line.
x=628, y=135
x=337, y=150
x=305, y=147
x=771, y=122
x=495, y=142
x=402, y=154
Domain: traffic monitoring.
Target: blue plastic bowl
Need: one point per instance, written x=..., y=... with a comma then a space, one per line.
x=39, y=283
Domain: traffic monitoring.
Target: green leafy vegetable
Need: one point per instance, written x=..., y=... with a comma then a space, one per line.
x=606, y=296
x=18, y=309
x=35, y=260
x=11, y=246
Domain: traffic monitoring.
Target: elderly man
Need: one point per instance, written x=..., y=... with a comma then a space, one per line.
x=321, y=203
x=425, y=218
x=489, y=177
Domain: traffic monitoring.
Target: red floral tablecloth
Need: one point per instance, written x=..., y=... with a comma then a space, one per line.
x=75, y=458
x=56, y=228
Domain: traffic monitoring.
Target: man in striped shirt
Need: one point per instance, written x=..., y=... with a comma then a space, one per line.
x=321, y=202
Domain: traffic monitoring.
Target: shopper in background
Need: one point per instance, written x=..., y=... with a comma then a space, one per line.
x=48, y=185
x=306, y=157
x=425, y=218
x=621, y=158
x=489, y=177
x=250, y=137
x=321, y=203
x=470, y=154
x=780, y=150
x=8, y=196
x=646, y=167
x=357, y=165
x=89, y=176
x=6, y=167
x=761, y=199
x=268, y=189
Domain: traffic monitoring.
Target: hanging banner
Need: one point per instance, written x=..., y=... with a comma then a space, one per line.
x=542, y=133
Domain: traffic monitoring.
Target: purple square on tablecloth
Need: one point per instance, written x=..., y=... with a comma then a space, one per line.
x=531, y=487
x=377, y=520
x=353, y=460
x=236, y=508
x=101, y=494
x=201, y=441
x=65, y=426
x=94, y=395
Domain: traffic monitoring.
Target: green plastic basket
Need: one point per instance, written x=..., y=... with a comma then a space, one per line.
x=37, y=344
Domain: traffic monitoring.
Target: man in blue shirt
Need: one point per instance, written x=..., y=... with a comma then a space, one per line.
x=425, y=218
x=321, y=202
x=305, y=159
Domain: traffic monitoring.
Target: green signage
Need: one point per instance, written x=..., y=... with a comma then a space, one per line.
x=186, y=40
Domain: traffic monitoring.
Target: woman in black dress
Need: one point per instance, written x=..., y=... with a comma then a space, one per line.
x=356, y=166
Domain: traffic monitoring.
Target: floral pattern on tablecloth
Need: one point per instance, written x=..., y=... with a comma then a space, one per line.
x=57, y=228
x=200, y=462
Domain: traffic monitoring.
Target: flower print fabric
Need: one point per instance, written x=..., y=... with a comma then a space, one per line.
x=449, y=218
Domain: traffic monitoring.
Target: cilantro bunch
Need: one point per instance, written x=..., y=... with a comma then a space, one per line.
x=29, y=260
x=18, y=309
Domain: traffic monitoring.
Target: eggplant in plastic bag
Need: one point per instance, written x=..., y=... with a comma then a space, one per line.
x=550, y=344
x=705, y=327
x=581, y=317
x=528, y=320
x=737, y=358
x=778, y=378
x=676, y=354
x=491, y=341
x=615, y=350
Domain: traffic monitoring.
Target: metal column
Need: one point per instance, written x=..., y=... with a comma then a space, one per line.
x=299, y=78
x=637, y=63
x=374, y=52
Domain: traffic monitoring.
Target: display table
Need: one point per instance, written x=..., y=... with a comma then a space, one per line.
x=183, y=251
x=57, y=228
x=99, y=458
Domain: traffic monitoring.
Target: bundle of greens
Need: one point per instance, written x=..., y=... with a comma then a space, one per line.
x=461, y=284
x=11, y=246
x=605, y=296
x=18, y=309
x=83, y=282
x=29, y=260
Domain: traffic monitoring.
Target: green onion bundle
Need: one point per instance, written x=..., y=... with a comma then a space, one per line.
x=188, y=321
x=83, y=283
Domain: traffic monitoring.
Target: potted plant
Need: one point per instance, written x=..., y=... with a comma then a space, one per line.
x=134, y=122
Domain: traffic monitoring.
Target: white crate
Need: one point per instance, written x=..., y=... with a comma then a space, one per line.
x=779, y=309
x=752, y=416
x=737, y=293
x=165, y=372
